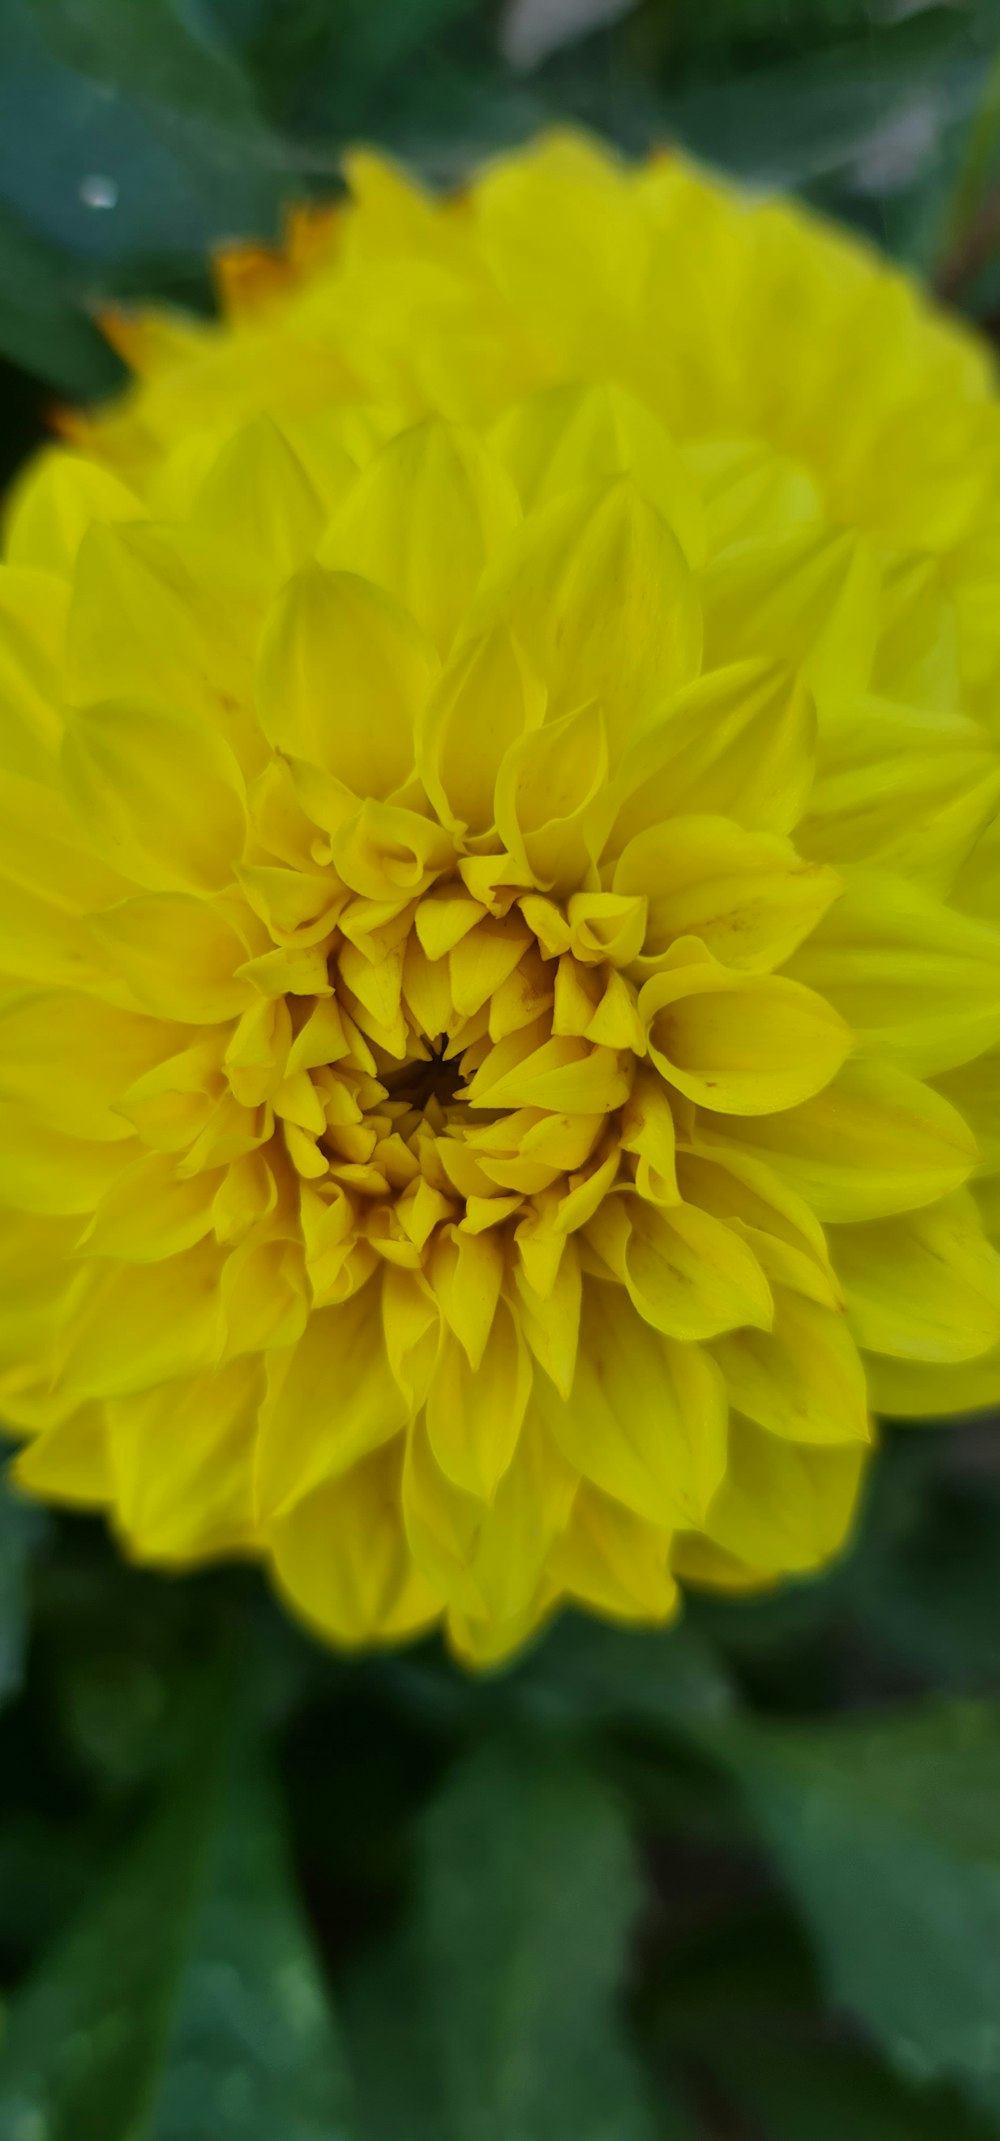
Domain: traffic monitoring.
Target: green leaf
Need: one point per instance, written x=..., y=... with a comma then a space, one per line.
x=22, y=1525
x=320, y=66
x=164, y=50
x=526, y=1898
x=887, y=1832
x=43, y=325
x=829, y=2093
x=807, y=116
x=148, y=149
x=926, y=1586
x=590, y=1672
x=401, y=2095
x=186, y=2005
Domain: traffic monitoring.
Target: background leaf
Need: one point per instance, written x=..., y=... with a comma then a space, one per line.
x=887, y=1833
x=186, y=2003
x=22, y=1527
x=526, y=1898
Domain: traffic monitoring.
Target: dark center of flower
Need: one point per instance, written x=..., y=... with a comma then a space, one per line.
x=438, y=1079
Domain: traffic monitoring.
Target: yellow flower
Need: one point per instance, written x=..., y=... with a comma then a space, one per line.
x=500, y=1024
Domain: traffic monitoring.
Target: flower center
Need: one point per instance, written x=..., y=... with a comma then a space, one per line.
x=477, y=1070
x=428, y=1085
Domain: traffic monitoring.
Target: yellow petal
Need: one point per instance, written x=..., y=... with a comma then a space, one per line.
x=42, y=1031
x=69, y=1462
x=139, y=612
x=919, y=982
x=563, y=1074
x=465, y=1273
x=571, y=435
x=646, y=1420
x=748, y=896
x=160, y=796
x=488, y=1562
x=740, y=1043
x=42, y=1170
x=784, y=1506
x=544, y=785
x=197, y=1500
x=902, y=788
x=179, y=956
x=803, y=1379
x=876, y=1141
x=474, y=1417
x=925, y=1285
x=55, y=503
x=485, y=700
x=810, y=599
x=423, y=518
x=930, y=1390
x=610, y=1559
x=776, y=1224
x=149, y=1212
x=551, y=1321
x=259, y=505
x=142, y=1324
x=596, y=587
x=341, y=677
x=342, y=1557
x=740, y=741
x=330, y=1402
x=32, y=641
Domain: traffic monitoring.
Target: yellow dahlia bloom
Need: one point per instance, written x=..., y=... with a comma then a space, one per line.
x=500, y=1024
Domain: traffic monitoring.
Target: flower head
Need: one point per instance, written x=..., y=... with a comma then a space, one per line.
x=498, y=854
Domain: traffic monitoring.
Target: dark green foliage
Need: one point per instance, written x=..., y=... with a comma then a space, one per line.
x=738, y=1881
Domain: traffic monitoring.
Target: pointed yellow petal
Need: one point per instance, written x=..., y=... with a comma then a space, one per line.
x=810, y=599
x=609, y=1559
x=784, y=1506
x=474, y=1416
x=876, y=1141
x=741, y=1043
x=925, y=1285
x=341, y=677
x=342, y=1557
x=423, y=518
x=179, y=956
x=803, y=1379
x=571, y=435
x=596, y=587
x=748, y=896
x=919, y=982
x=331, y=1402
x=197, y=1500
x=741, y=741
x=646, y=1420
x=159, y=795
x=55, y=503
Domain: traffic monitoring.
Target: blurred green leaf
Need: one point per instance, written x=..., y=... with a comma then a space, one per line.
x=580, y=1673
x=887, y=1831
x=186, y=2005
x=22, y=1525
x=828, y=2092
x=401, y=2095
x=926, y=1586
x=320, y=66
x=166, y=50
x=151, y=150
x=43, y=323
x=871, y=104
x=527, y=1895
x=590, y=1672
